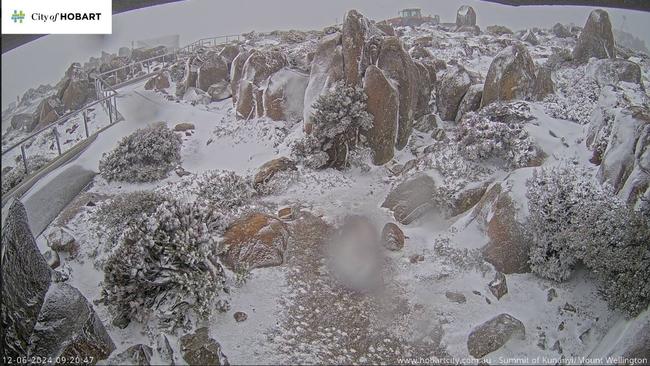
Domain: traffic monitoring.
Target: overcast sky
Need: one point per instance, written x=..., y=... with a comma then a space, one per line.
x=45, y=60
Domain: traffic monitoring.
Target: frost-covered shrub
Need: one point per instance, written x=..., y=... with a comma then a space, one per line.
x=339, y=114
x=166, y=266
x=15, y=176
x=576, y=95
x=575, y=220
x=497, y=132
x=146, y=155
x=557, y=198
x=116, y=214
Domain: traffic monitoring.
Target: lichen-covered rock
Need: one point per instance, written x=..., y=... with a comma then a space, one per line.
x=493, y=334
x=326, y=70
x=543, y=85
x=465, y=16
x=411, y=199
x=392, y=237
x=451, y=90
x=511, y=75
x=596, y=39
x=69, y=327
x=254, y=241
x=199, y=349
x=25, y=281
x=270, y=168
x=396, y=64
x=471, y=101
x=139, y=354
x=212, y=71
x=382, y=104
x=613, y=71
x=284, y=95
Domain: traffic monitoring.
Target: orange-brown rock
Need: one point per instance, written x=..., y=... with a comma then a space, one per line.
x=382, y=104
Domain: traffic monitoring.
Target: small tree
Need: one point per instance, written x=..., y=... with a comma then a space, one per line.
x=146, y=155
x=339, y=115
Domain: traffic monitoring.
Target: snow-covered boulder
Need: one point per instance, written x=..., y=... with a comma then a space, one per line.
x=270, y=168
x=228, y=53
x=561, y=31
x=498, y=30
x=259, y=66
x=353, y=39
x=511, y=75
x=397, y=65
x=613, y=71
x=189, y=77
x=220, y=91
x=196, y=95
x=494, y=334
x=23, y=121
x=453, y=86
x=471, y=101
x=465, y=16
x=158, y=82
x=199, y=348
x=386, y=28
x=392, y=237
x=284, y=95
x=139, y=354
x=596, y=39
x=411, y=199
x=420, y=52
x=212, y=71
x=426, y=79
x=48, y=111
x=326, y=70
x=543, y=85
x=236, y=68
x=76, y=89
x=382, y=104
x=530, y=37
x=254, y=241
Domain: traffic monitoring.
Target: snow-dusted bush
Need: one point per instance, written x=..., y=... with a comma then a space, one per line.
x=557, y=199
x=15, y=176
x=166, y=266
x=575, y=220
x=116, y=214
x=146, y=155
x=497, y=132
x=576, y=95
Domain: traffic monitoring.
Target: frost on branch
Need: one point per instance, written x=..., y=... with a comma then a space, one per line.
x=166, y=266
x=146, y=155
x=497, y=132
x=574, y=220
x=339, y=115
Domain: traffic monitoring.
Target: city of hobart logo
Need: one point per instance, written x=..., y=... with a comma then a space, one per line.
x=18, y=16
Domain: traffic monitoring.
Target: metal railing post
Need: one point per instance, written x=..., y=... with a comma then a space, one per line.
x=85, y=116
x=56, y=137
x=22, y=152
x=110, y=115
x=115, y=106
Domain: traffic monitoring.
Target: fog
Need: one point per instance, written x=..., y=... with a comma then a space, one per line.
x=44, y=61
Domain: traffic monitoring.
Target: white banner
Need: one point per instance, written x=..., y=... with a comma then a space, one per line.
x=57, y=17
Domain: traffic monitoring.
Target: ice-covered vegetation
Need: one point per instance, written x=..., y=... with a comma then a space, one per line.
x=146, y=155
x=574, y=220
x=17, y=174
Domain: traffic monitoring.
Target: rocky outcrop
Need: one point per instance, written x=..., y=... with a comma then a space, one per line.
x=326, y=70
x=220, y=91
x=511, y=75
x=139, y=354
x=259, y=66
x=465, y=17
x=396, y=64
x=158, y=82
x=613, y=71
x=596, y=39
x=48, y=111
x=530, y=37
x=353, y=40
x=190, y=75
x=284, y=95
x=270, y=168
x=228, y=53
x=23, y=121
x=498, y=30
x=411, y=199
x=494, y=334
x=451, y=90
x=386, y=28
x=471, y=101
x=212, y=71
x=392, y=237
x=499, y=285
x=383, y=105
x=426, y=79
x=561, y=31
x=199, y=349
x=254, y=241
x=543, y=85
x=236, y=68
x=76, y=89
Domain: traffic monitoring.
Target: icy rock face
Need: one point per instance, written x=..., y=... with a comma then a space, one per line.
x=254, y=241
x=26, y=278
x=138, y=354
x=398, y=66
x=511, y=75
x=613, y=71
x=383, y=105
x=69, y=327
x=259, y=66
x=212, y=71
x=326, y=70
x=199, y=349
x=236, y=68
x=493, y=334
x=627, y=157
x=284, y=95
x=158, y=82
x=451, y=90
x=596, y=39
x=465, y=16
x=471, y=101
x=411, y=199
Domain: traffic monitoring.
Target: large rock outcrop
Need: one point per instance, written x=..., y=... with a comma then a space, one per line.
x=398, y=65
x=383, y=105
x=511, y=75
x=465, y=16
x=411, y=199
x=493, y=334
x=213, y=70
x=353, y=39
x=596, y=39
x=236, y=68
x=259, y=66
x=471, y=101
x=284, y=95
x=76, y=89
x=613, y=71
x=451, y=90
